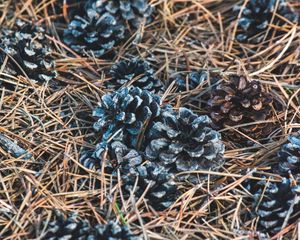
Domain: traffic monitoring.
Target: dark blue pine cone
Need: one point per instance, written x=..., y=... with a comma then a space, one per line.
x=289, y=155
x=29, y=52
x=126, y=162
x=69, y=227
x=132, y=11
x=135, y=72
x=119, y=157
x=191, y=81
x=93, y=158
x=162, y=191
x=126, y=114
x=94, y=34
x=257, y=16
x=113, y=231
x=73, y=228
x=272, y=202
x=183, y=141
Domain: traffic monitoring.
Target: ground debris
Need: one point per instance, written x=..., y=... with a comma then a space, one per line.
x=13, y=148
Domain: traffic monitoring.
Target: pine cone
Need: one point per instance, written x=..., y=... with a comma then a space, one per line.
x=118, y=155
x=93, y=159
x=136, y=72
x=289, y=155
x=273, y=200
x=126, y=162
x=257, y=16
x=239, y=101
x=125, y=115
x=94, y=34
x=72, y=228
x=68, y=228
x=191, y=81
x=162, y=189
x=112, y=158
x=28, y=48
x=132, y=11
x=184, y=141
x=114, y=231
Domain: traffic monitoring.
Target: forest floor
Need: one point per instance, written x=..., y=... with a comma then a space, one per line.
x=54, y=124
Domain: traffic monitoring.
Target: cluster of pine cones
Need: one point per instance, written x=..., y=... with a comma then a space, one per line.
x=148, y=144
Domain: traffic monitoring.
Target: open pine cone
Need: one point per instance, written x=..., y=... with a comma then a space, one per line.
x=239, y=101
x=119, y=157
x=134, y=12
x=113, y=231
x=135, y=72
x=272, y=201
x=94, y=34
x=73, y=228
x=162, y=190
x=126, y=162
x=29, y=52
x=289, y=155
x=69, y=227
x=184, y=141
x=126, y=114
x=191, y=81
x=257, y=16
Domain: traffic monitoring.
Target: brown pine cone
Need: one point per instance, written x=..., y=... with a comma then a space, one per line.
x=241, y=102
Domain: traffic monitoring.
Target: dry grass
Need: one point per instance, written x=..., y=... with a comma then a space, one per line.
x=54, y=124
